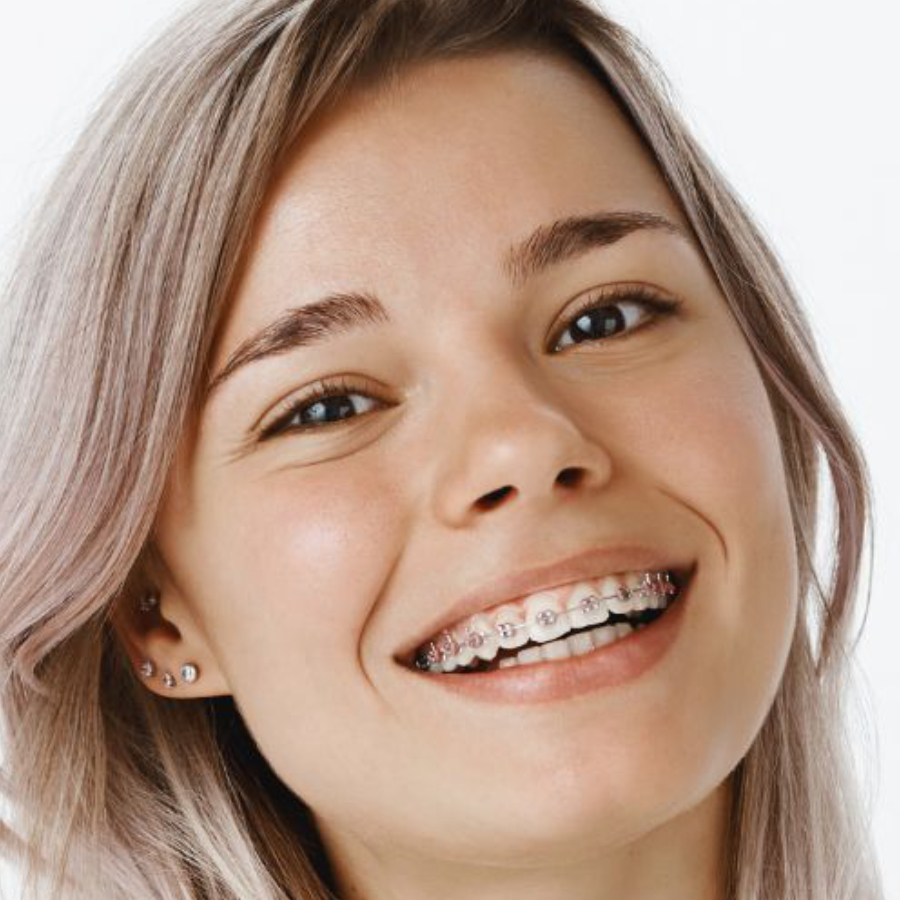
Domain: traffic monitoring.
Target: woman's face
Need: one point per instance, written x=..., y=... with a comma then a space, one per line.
x=478, y=432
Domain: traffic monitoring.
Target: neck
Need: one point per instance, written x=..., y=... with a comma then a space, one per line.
x=681, y=859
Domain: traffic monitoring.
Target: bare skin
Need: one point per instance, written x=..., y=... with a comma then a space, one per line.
x=298, y=565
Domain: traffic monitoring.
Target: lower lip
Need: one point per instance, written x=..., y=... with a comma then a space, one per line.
x=615, y=664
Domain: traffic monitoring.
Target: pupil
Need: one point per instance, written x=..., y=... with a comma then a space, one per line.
x=318, y=411
x=598, y=323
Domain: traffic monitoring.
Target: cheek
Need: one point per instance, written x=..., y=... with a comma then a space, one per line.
x=716, y=436
x=716, y=452
x=303, y=557
x=320, y=535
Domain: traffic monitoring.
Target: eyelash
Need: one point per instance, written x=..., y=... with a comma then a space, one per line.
x=330, y=388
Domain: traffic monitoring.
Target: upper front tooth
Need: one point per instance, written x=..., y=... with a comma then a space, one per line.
x=586, y=606
x=545, y=616
x=514, y=634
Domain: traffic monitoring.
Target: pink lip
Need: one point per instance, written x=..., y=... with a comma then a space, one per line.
x=590, y=564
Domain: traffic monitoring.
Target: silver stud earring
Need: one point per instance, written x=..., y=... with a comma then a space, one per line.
x=148, y=602
x=168, y=680
x=190, y=673
x=148, y=670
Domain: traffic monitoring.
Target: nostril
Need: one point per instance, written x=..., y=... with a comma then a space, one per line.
x=494, y=497
x=570, y=476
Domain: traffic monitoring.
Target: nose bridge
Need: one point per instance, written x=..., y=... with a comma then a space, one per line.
x=504, y=440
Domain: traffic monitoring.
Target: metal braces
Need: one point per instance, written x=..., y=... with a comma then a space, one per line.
x=435, y=653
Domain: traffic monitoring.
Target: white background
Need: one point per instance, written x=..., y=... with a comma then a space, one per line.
x=797, y=102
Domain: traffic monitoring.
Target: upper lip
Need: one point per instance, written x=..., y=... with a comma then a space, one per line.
x=589, y=564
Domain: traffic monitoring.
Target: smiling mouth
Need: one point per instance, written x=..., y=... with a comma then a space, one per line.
x=592, y=618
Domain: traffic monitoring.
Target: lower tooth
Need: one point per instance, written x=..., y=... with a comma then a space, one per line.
x=562, y=649
x=555, y=650
x=600, y=637
x=580, y=643
x=574, y=645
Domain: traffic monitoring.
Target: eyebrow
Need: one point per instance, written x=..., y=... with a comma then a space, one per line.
x=340, y=312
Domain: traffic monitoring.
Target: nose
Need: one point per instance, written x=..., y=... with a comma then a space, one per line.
x=512, y=444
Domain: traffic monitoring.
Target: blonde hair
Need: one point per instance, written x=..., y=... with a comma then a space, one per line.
x=110, y=316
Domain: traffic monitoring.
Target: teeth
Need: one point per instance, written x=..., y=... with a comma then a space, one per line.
x=589, y=609
x=600, y=637
x=547, y=616
x=579, y=644
x=576, y=645
x=639, y=603
x=465, y=654
x=555, y=650
x=482, y=638
x=514, y=635
x=617, y=594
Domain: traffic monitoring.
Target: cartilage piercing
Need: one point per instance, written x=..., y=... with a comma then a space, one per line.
x=148, y=602
x=448, y=646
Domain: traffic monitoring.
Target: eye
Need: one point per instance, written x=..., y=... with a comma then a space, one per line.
x=615, y=313
x=329, y=403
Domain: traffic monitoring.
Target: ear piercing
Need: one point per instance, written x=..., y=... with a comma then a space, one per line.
x=190, y=672
x=148, y=602
x=147, y=668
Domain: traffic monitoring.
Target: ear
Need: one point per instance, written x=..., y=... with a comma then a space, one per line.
x=165, y=633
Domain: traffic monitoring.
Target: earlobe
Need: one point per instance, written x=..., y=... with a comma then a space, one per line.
x=165, y=654
x=189, y=672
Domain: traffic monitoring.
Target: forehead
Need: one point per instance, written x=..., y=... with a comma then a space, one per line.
x=425, y=183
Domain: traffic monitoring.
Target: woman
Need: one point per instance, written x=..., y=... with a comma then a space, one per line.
x=427, y=483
